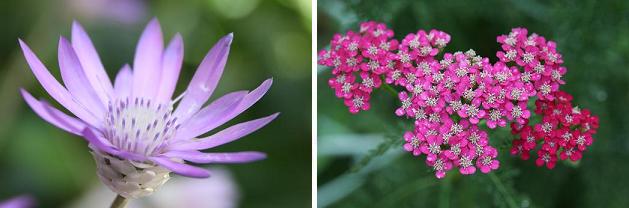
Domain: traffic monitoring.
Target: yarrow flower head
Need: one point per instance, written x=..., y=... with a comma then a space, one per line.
x=537, y=60
x=358, y=60
x=136, y=131
x=564, y=132
x=450, y=97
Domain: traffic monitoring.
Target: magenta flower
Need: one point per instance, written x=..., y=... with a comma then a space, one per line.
x=564, y=130
x=517, y=112
x=134, y=131
x=406, y=107
x=486, y=162
x=466, y=167
x=413, y=143
x=440, y=165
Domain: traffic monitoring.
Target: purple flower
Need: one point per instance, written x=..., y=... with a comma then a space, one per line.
x=135, y=133
x=23, y=201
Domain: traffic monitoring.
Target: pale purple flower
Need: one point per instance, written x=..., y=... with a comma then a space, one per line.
x=134, y=123
x=23, y=201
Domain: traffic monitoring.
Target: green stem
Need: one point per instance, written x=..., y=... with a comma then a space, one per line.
x=501, y=188
x=444, y=195
x=390, y=89
x=405, y=191
x=119, y=202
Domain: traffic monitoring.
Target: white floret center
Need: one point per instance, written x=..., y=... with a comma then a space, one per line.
x=139, y=125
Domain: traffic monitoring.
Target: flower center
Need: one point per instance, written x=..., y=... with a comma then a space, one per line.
x=425, y=50
x=431, y=101
x=511, y=55
x=340, y=79
x=516, y=112
x=346, y=87
x=474, y=138
x=372, y=50
x=358, y=102
x=385, y=46
x=351, y=61
x=439, y=165
x=466, y=161
x=368, y=82
x=486, y=161
x=373, y=65
x=516, y=93
x=396, y=75
x=494, y=115
x=417, y=89
x=404, y=57
x=434, y=148
x=527, y=57
x=420, y=114
x=530, y=139
x=139, y=126
x=456, y=128
x=414, y=43
x=406, y=103
x=539, y=68
x=472, y=111
x=415, y=142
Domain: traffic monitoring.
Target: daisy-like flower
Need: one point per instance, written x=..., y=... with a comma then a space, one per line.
x=137, y=132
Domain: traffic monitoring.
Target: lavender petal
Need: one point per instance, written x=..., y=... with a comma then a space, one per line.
x=91, y=63
x=76, y=80
x=52, y=115
x=124, y=82
x=216, y=111
x=103, y=145
x=171, y=66
x=223, y=157
x=180, y=168
x=205, y=79
x=56, y=90
x=225, y=136
x=195, y=128
x=148, y=61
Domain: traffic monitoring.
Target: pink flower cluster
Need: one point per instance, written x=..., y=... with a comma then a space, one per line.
x=365, y=55
x=449, y=144
x=450, y=98
x=537, y=59
x=564, y=130
x=453, y=97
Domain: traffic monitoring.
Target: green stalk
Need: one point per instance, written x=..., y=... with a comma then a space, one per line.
x=501, y=188
x=390, y=89
x=119, y=202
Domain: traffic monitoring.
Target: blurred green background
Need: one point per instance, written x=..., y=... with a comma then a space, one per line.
x=361, y=161
x=271, y=39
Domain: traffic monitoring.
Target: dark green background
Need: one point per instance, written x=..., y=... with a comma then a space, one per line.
x=271, y=39
x=593, y=37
